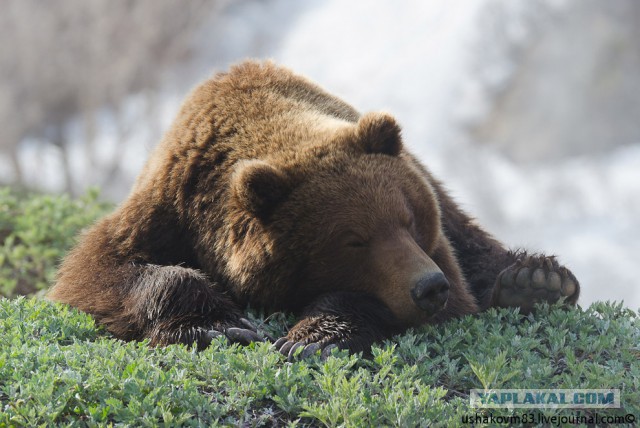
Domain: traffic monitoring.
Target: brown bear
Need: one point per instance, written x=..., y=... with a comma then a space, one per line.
x=270, y=192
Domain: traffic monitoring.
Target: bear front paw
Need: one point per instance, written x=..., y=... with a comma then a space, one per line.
x=243, y=333
x=319, y=334
x=535, y=279
x=288, y=348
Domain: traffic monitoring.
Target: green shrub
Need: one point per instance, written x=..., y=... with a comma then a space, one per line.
x=57, y=368
x=35, y=233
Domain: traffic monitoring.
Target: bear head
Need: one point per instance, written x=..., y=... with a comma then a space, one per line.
x=350, y=214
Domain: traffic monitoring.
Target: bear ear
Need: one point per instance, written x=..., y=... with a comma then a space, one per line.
x=379, y=133
x=259, y=187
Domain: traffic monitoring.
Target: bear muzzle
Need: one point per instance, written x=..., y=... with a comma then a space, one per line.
x=431, y=292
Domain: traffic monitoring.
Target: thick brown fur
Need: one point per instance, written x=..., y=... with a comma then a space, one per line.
x=270, y=192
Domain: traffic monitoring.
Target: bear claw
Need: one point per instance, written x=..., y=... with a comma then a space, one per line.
x=292, y=351
x=289, y=349
x=248, y=325
x=310, y=350
x=535, y=279
x=243, y=336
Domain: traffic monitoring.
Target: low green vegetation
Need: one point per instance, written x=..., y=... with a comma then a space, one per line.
x=58, y=368
x=35, y=233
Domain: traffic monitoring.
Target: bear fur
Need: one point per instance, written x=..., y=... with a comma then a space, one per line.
x=269, y=192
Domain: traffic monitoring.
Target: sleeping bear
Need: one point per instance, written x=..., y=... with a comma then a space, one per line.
x=267, y=191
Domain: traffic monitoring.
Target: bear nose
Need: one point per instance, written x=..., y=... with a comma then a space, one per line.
x=431, y=292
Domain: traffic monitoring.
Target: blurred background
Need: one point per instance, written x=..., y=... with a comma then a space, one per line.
x=529, y=110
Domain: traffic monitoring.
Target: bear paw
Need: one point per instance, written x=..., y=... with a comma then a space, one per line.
x=288, y=348
x=535, y=279
x=319, y=334
x=243, y=334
